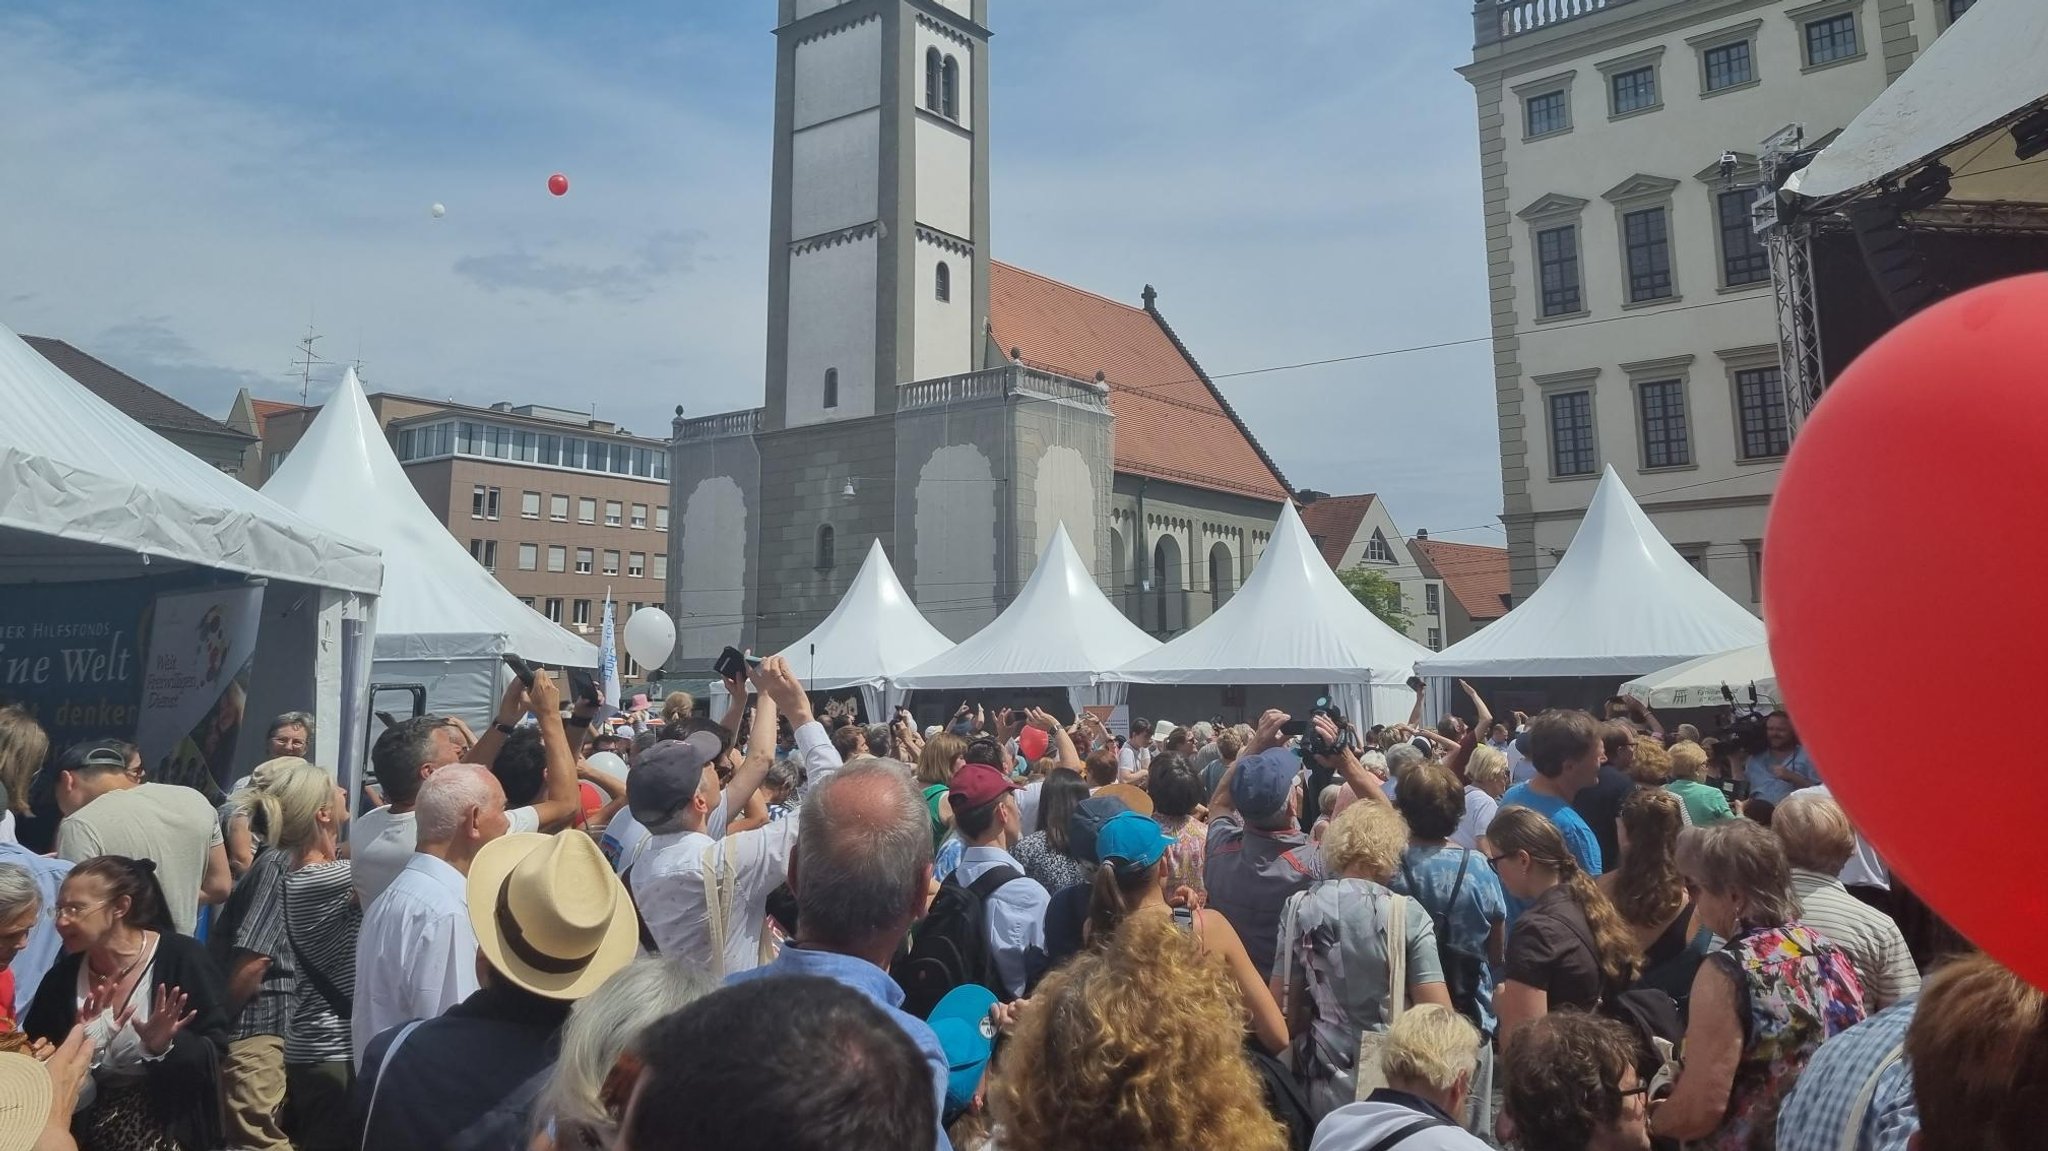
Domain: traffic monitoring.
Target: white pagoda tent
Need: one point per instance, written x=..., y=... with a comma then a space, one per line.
x=1060, y=631
x=443, y=621
x=1698, y=682
x=1293, y=622
x=1622, y=602
x=875, y=634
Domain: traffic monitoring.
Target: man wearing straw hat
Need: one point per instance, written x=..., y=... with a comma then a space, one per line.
x=552, y=923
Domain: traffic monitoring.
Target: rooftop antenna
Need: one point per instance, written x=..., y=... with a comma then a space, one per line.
x=304, y=364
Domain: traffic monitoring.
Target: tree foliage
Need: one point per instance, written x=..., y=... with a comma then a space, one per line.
x=1379, y=593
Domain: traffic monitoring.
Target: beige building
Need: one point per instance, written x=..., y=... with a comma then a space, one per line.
x=1634, y=322
x=1358, y=531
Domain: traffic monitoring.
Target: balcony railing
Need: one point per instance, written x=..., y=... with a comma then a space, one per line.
x=995, y=383
x=720, y=426
x=1497, y=20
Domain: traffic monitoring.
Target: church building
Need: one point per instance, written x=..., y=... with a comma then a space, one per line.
x=921, y=393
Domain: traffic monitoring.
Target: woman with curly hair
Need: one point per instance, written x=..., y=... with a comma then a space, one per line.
x=1650, y=894
x=1705, y=804
x=1097, y=1064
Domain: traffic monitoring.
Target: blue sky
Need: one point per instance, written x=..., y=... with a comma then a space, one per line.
x=188, y=185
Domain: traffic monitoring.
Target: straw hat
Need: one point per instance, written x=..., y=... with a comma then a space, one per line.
x=549, y=914
x=24, y=1101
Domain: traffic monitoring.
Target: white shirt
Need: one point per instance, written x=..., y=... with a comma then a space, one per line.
x=1016, y=914
x=1132, y=760
x=415, y=953
x=1864, y=868
x=1357, y=1126
x=668, y=882
x=381, y=844
x=1027, y=805
x=1480, y=808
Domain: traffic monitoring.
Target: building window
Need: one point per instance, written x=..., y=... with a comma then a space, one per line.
x=1546, y=113
x=1760, y=409
x=1744, y=260
x=479, y=497
x=554, y=609
x=1647, y=235
x=942, y=282
x=950, y=90
x=636, y=565
x=825, y=557
x=1571, y=434
x=1831, y=38
x=1557, y=261
x=485, y=552
x=639, y=520
x=614, y=513
x=558, y=558
x=661, y=517
x=581, y=616
x=584, y=558
x=529, y=505
x=1436, y=639
x=1666, y=443
x=586, y=510
x=1432, y=599
x=611, y=562
x=1695, y=555
x=1956, y=8
x=1633, y=90
x=831, y=388
x=933, y=66
x=529, y=557
x=1729, y=66
x=558, y=508
x=1756, y=571
x=1376, y=549
x=660, y=566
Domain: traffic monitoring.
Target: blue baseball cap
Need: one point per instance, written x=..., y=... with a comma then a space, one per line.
x=1133, y=839
x=1086, y=823
x=968, y=1037
x=1263, y=781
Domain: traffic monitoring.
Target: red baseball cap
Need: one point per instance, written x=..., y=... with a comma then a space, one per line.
x=978, y=784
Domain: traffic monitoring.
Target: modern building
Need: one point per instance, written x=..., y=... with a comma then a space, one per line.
x=1358, y=531
x=922, y=394
x=560, y=506
x=1475, y=583
x=1634, y=321
x=211, y=440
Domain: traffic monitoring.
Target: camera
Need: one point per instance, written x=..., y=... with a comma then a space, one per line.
x=1312, y=742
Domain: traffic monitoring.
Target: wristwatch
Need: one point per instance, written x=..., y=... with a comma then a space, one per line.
x=503, y=728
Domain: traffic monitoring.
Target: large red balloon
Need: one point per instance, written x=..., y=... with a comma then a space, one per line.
x=558, y=184
x=1903, y=566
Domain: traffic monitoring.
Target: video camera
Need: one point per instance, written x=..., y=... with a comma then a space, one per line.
x=1313, y=745
x=1745, y=726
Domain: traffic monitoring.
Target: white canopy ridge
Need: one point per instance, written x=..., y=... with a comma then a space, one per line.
x=1698, y=682
x=1061, y=631
x=874, y=634
x=1620, y=603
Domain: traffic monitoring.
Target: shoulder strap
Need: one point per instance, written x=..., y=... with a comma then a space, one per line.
x=992, y=881
x=1397, y=957
x=342, y=1003
x=1852, y=1126
x=718, y=878
x=1400, y=1134
x=377, y=1084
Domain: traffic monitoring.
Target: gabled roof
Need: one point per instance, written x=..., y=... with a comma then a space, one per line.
x=133, y=398
x=1171, y=422
x=264, y=409
x=1332, y=521
x=1476, y=575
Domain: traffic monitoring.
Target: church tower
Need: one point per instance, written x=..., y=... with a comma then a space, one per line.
x=878, y=249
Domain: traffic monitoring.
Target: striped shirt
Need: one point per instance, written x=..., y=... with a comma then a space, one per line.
x=321, y=921
x=1868, y=936
x=1867, y=1058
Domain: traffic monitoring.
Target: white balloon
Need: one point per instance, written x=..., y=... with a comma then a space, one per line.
x=650, y=637
x=438, y=211
x=609, y=763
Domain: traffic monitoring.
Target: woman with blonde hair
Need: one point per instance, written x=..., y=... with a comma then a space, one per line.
x=1648, y=763
x=23, y=748
x=1096, y=1062
x=1705, y=804
x=580, y=1108
x=942, y=756
x=1332, y=970
x=1650, y=894
x=1486, y=780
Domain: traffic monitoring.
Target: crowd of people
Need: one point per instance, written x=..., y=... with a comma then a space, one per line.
x=780, y=928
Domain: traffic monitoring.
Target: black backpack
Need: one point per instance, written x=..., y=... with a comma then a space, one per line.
x=1463, y=974
x=950, y=946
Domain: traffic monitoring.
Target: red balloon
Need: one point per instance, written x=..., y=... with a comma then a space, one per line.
x=1914, y=492
x=558, y=184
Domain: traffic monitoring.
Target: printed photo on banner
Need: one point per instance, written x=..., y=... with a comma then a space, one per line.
x=201, y=644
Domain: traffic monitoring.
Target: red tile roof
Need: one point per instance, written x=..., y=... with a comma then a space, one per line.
x=1171, y=422
x=1476, y=575
x=1333, y=522
x=264, y=409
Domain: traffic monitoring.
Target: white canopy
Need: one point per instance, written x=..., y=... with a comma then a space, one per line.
x=1974, y=80
x=1061, y=631
x=440, y=608
x=1293, y=622
x=875, y=634
x=1698, y=682
x=75, y=468
x=1621, y=602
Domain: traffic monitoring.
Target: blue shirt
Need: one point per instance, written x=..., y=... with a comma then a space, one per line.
x=1578, y=834
x=873, y=982
x=43, y=946
x=1818, y=1109
x=947, y=858
x=1481, y=904
x=1769, y=788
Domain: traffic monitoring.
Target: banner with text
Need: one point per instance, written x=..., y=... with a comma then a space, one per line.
x=201, y=645
x=69, y=653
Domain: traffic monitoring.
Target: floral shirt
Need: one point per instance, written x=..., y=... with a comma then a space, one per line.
x=1799, y=990
x=1051, y=868
x=1190, y=850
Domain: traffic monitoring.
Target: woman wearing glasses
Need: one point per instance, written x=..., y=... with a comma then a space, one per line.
x=150, y=1000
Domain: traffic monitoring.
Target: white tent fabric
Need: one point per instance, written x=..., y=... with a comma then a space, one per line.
x=874, y=634
x=1293, y=622
x=74, y=467
x=1698, y=682
x=1620, y=603
x=443, y=619
x=1061, y=631
x=1973, y=80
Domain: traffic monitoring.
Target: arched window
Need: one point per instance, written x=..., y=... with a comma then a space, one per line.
x=950, y=103
x=932, y=69
x=942, y=282
x=831, y=387
x=824, y=547
x=1222, y=576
